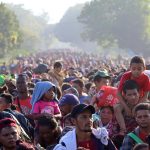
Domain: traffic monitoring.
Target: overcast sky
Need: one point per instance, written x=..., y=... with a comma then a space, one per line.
x=55, y=8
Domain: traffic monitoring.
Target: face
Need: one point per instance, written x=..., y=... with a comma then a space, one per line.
x=21, y=84
x=132, y=97
x=137, y=69
x=84, y=122
x=102, y=82
x=9, y=136
x=3, y=104
x=49, y=95
x=65, y=109
x=106, y=115
x=46, y=133
x=58, y=70
x=143, y=118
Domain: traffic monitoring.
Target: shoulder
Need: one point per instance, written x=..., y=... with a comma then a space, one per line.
x=127, y=74
x=128, y=143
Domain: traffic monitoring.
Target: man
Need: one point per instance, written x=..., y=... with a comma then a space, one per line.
x=6, y=106
x=57, y=74
x=22, y=101
x=79, y=85
x=84, y=136
x=10, y=136
x=66, y=104
x=141, y=134
x=100, y=79
x=47, y=131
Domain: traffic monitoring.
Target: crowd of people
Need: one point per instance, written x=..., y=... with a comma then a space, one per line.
x=67, y=100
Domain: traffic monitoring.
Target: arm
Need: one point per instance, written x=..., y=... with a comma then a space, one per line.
x=127, y=143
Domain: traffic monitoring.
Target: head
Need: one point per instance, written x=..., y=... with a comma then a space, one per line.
x=79, y=85
x=67, y=102
x=131, y=92
x=106, y=114
x=72, y=90
x=64, y=87
x=5, y=101
x=137, y=66
x=82, y=118
x=58, y=66
x=68, y=121
x=9, y=133
x=21, y=83
x=49, y=94
x=142, y=146
x=87, y=87
x=101, y=78
x=142, y=115
x=48, y=129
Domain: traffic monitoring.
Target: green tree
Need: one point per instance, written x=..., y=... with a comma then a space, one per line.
x=121, y=22
x=10, y=36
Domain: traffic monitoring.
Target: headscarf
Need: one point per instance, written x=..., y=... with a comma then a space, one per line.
x=39, y=90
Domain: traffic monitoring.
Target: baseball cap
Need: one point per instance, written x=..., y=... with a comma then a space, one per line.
x=7, y=122
x=80, y=108
x=70, y=99
x=103, y=74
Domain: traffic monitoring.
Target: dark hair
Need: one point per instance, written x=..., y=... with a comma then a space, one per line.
x=79, y=82
x=142, y=106
x=47, y=121
x=137, y=59
x=140, y=146
x=97, y=78
x=109, y=107
x=88, y=85
x=23, y=75
x=57, y=64
x=65, y=86
x=130, y=85
x=8, y=98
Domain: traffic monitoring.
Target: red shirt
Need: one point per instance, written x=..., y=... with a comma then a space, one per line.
x=143, y=136
x=24, y=104
x=143, y=81
x=88, y=145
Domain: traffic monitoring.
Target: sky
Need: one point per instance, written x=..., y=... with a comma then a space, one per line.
x=55, y=8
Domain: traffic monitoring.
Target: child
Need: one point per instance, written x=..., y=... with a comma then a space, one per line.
x=136, y=73
x=43, y=101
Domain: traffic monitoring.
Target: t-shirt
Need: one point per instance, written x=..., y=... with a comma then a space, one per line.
x=25, y=106
x=90, y=145
x=107, y=96
x=143, y=136
x=50, y=107
x=143, y=82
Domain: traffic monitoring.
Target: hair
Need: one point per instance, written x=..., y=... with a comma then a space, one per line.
x=48, y=121
x=137, y=59
x=140, y=146
x=23, y=75
x=108, y=107
x=79, y=82
x=130, y=85
x=65, y=86
x=57, y=64
x=88, y=85
x=97, y=78
x=142, y=106
x=8, y=98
